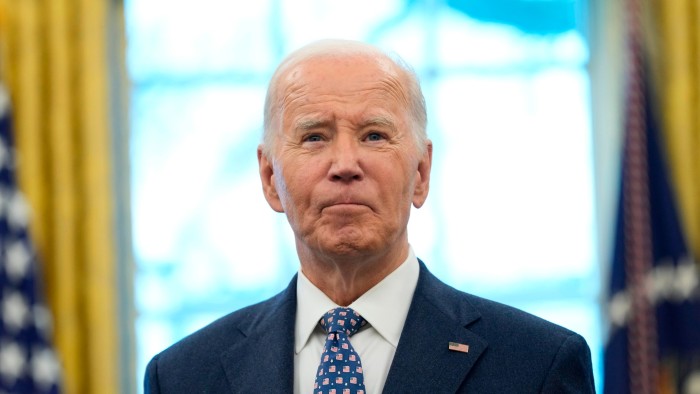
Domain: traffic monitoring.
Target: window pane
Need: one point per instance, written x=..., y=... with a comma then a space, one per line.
x=181, y=38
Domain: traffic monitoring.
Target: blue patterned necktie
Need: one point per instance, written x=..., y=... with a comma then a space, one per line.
x=340, y=371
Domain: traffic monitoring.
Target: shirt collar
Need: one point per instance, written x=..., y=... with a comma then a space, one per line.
x=384, y=306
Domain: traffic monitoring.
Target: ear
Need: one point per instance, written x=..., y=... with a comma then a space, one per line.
x=267, y=177
x=422, y=185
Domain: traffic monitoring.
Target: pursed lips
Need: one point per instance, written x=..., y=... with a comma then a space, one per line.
x=345, y=203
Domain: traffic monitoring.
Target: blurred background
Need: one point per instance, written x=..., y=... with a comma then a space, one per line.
x=565, y=178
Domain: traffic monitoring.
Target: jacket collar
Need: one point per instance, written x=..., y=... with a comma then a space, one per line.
x=264, y=361
x=439, y=314
x=424, y=361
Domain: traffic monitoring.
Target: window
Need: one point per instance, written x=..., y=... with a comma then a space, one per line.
x=510, y=214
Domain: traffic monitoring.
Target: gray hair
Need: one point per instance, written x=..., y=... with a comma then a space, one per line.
x=332, y=48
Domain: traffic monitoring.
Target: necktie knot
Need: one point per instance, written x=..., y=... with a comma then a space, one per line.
x=342, y=319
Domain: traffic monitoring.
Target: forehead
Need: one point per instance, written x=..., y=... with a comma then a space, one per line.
x=360, y=80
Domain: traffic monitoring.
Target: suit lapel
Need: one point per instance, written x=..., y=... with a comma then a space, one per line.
x=423, y=360
x=264, y=361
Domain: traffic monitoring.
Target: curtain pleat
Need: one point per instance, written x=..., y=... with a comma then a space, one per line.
x=55, y=64
x=678, y=60
x=100, y=282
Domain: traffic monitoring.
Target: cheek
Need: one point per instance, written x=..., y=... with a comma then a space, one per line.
x=399, y=176
x=293, y=191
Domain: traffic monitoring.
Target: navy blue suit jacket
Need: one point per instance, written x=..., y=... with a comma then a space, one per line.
x=510, y=351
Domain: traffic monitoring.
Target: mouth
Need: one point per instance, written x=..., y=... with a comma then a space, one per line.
x=345, y=206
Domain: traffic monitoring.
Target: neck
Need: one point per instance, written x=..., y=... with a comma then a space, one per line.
x=345, y=278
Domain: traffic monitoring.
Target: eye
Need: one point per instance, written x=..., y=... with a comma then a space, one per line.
x=313, y=138
x=374, y=136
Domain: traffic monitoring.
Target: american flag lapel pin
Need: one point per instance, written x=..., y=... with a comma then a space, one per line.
x=459, y=347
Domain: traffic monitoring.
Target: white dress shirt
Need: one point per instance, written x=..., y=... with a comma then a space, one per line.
x=384, y=306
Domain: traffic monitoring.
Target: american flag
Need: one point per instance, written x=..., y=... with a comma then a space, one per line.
x=458, y=347
x=654, y=297
x=653, y=310
x=28, y=364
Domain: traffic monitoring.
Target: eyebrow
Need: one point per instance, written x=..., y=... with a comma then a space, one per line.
x=308, y=124
x=380, y=121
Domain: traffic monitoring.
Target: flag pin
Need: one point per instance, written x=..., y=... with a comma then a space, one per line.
x=459, y=347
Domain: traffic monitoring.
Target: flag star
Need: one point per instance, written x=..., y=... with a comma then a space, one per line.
x=18, y=260
x=12, y=361
x=18, y=211
x=619, y=308
x=45, y=367
x=15, y=311
x=687, y=280
x=659, y=282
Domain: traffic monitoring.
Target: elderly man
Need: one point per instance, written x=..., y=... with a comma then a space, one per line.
x=344, y=156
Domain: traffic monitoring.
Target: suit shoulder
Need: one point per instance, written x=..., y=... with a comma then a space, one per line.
x=226, y=330
x=195, y=363
x=509, y=318
x=558, y=359
x=492, y=317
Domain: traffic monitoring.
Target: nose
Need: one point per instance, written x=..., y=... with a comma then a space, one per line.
x=345, y=164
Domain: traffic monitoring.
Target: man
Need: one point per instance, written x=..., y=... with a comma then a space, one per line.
x=344, y=156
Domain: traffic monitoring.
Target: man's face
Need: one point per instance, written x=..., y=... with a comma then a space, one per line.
x=345, y=168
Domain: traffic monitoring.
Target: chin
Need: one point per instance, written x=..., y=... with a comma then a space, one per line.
x=353, y=244
x=347, y=241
